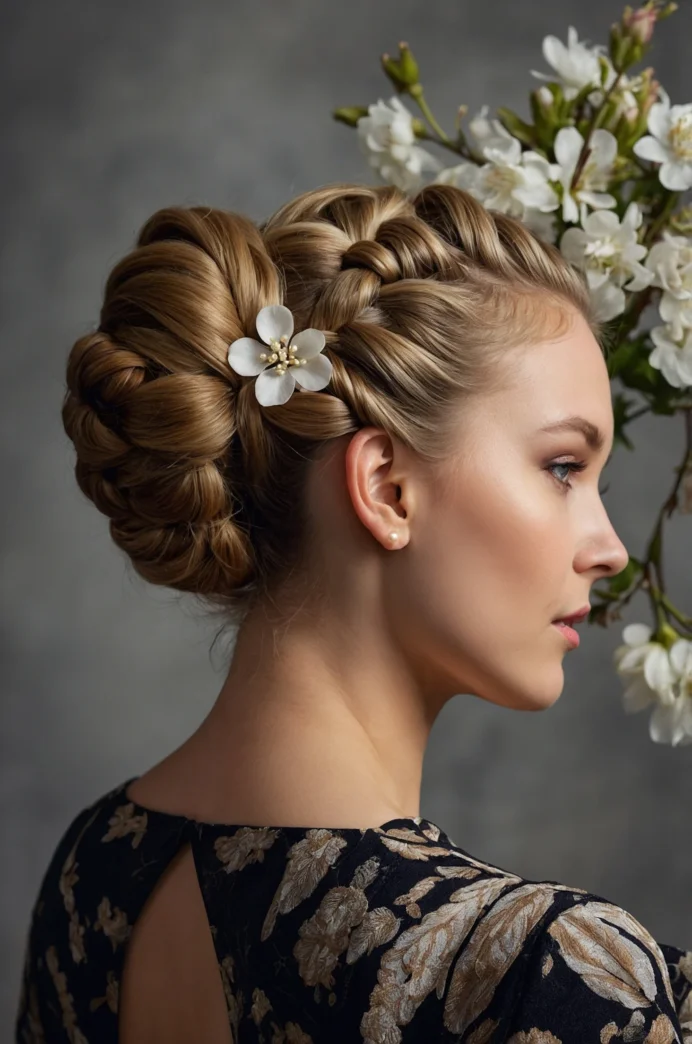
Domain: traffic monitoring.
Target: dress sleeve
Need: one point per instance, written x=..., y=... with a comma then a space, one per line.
x=594, y=975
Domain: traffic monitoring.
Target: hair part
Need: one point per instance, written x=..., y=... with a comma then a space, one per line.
x=421, y=300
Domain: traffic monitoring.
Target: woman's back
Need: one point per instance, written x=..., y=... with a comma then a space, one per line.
x=183, y=931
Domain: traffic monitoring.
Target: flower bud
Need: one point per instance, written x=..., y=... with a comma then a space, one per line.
x=350, y=114
x=402, y=71
x=639, y=25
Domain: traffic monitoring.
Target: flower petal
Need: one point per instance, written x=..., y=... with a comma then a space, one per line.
x=662, y=724
x=648, y=148
x=676, y=176
x=680, y=655
x=244, y=356
x=274, y=321
x=659, y=120
x=637, y=696
x=637, y=633
x=316, y=374
x=568, y=145
x=309, y=342
x=273, y=389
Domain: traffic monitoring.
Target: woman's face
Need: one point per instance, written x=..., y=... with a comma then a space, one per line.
x=509, y=539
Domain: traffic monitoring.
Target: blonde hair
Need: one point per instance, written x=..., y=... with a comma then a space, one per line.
x=420, y=299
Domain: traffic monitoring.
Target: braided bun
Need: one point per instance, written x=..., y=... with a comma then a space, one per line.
x=200, y=483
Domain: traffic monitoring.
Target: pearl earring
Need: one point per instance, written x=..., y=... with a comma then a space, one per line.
x=393, y=537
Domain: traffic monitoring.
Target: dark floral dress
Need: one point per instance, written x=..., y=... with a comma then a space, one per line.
x=385, y=935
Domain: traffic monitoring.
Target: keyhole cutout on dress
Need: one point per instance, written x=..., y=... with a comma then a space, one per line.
x=171, y=990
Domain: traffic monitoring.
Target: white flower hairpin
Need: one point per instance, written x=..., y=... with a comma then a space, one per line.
x=291, y=358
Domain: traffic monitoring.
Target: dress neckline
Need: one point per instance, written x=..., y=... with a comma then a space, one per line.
x=398, y=822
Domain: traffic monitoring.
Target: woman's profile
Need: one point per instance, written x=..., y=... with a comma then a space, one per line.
x=395, y=503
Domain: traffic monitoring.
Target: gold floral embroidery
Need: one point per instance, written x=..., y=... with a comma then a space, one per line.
x=32, y=1031
x=483, y=1033
x=624, y=919
x=308, y=861
x=290, y=1034
x=410, y=899
x=329, y=932
x=408, y=843
x=76, y=937
x=111, y=996
x=419, y=961
x=246, y=846
x=113, y=923
x=534, y=1036
x=124, y=822
x=609, y=963
x=662, y=1032
x=495, y=944
x=68, y=879
x=234, y=1000
x=260, y=1005
x=69, y=1019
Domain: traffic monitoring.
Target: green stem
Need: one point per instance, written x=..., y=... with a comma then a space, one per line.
x=416, y=93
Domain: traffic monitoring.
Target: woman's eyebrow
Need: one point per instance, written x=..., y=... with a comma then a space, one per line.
x=592, y=433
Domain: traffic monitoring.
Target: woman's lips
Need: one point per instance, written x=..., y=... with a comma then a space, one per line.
x=568, y=633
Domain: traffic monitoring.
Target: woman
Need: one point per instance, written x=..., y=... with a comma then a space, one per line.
x=373, y=499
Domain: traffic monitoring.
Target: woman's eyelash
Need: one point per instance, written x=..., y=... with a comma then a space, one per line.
x=571, y=465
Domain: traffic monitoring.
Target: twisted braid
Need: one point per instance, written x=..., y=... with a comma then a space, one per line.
x=419, y=300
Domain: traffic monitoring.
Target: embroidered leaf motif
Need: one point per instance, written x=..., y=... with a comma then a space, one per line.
x=410, y=899
x=246, y=846
x=535, y=1036
x=366, y=873
x=495, y=944
x=378, y=927
x=483, y=1033
x=608, y=962
x=662, y=1032
x=308, y=861
x=124, y=822
x=624, y=919
x=419, y=960
x=325, y=935
x=411, y=851
x=469, y=872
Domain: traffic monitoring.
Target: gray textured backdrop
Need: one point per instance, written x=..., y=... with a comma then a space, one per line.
x=113, y=110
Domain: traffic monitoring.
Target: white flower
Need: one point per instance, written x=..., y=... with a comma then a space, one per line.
x=669, y=142
x=608, y=252
x=662, y=677
x=291, y=359
x=511, y=181
x=671, y=262
x=594, y=175
x=388, y=140
x=576, y=64
x=673, y=357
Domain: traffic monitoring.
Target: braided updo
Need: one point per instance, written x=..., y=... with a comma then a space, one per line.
x=420, y=299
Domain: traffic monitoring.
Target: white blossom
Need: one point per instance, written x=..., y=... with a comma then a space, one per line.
x=595, y=175
x=607, y=251
x=388, y=140
x=670, y=260
x=669, y=142
x=576, y=64
x=659, y=676
x=512, y=181
x=673, y=357
x=294, y=358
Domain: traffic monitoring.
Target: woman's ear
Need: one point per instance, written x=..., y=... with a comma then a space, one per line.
x=378, y=485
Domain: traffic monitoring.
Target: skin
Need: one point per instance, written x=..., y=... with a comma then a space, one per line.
x=325, y=714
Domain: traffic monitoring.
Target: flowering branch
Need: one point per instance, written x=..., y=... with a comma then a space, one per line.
x=600, y=170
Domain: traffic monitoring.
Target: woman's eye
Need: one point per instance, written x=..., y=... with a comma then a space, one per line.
x=570, y=466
